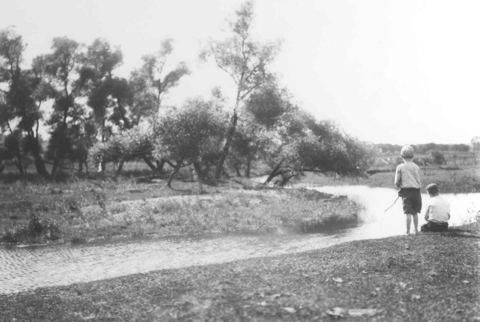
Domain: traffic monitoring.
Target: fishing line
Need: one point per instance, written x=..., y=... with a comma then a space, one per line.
x=388, y=209
x=391, y=205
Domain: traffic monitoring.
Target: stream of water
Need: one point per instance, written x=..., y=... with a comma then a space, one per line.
x=27, y=268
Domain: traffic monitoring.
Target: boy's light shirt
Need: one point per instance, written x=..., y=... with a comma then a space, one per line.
x=438, y=210
x=407, y=175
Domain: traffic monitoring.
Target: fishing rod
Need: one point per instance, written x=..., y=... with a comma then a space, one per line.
x=391, y=205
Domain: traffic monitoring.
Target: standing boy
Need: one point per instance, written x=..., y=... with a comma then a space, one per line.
x=438, y=211
x=407, y=178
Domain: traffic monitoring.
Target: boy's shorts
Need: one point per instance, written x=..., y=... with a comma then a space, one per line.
x=411, y=200
x=434, y=227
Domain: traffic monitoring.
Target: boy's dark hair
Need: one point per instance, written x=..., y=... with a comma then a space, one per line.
x=432, y=189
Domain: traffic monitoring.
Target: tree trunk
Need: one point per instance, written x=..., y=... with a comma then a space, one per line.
x=174, y=172
x=249, y=163
x=19, y=161
x=120, y=167
x=231, y=131
x=273, y=174
x=39, y=163
x=20, y=167
x=148, y=162
x=56, y=162
x=40, y=166
x=285, y=179
x=17, y=153
x=237, y=171
x=200, y=175
x=58, y=156
x=160, y=164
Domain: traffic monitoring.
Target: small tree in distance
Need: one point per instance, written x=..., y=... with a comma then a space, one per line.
x=476, y=147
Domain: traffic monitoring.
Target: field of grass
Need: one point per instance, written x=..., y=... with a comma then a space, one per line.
x=88, y=210
x=427, y=277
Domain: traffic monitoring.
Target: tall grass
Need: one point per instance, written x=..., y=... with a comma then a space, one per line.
x=232, y=212
x=85, y=210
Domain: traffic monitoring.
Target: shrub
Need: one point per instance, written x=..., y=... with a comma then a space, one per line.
x=36, y=231
x=437, y=157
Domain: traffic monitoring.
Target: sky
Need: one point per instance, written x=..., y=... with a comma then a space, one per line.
x=387, y=71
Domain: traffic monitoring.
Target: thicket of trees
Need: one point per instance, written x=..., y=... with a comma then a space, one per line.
x=424, y=148
x=95, y=117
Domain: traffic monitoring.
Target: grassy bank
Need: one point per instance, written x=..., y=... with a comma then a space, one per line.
x=461, y=180
x=85, y=210
x=428, y=277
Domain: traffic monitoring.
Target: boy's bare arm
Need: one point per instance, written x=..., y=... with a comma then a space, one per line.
x=426, y=213
x=398, y=178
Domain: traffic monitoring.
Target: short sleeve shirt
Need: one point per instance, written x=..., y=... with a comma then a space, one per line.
x=407, y=175
x=438, y=210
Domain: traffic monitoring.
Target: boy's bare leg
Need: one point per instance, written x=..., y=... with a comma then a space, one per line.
x=415, y=223
x=409, y=220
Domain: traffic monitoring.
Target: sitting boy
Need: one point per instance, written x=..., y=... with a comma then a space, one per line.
x=437, y=213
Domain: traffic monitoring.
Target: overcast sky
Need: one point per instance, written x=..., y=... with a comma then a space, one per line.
x=387, y=71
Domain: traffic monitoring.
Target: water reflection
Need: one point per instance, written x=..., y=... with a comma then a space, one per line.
x=380, y=223
x=27, y=268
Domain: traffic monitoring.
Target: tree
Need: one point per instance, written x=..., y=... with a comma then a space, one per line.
x=261, y=114
x=245, y=61
x=476, y=147
x=476, y=143
x=244, y=147
x=124, y=146
x=267, y=105
x=22, y=98
x=106, y=95
x=150, y=84
x=437, y=157
x=11, y=50
x=150, y=78
x=303, y=144
x=63, y=67
x=100, y=62
x=188, y=135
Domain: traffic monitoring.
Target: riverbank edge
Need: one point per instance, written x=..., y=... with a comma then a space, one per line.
x=426, y=277
x=36, y=232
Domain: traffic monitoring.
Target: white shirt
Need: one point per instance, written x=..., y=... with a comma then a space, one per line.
x=438, y=210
